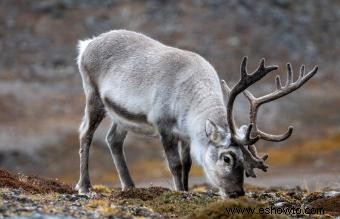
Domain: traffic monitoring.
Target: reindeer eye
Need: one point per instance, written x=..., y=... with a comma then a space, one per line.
x=227, y=159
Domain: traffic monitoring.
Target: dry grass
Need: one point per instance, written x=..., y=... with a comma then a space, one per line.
x=105, y=208
x=306, y=152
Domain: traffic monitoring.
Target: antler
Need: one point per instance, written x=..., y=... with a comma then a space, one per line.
x=245, y=81
x=281, y=91
x=246, y=143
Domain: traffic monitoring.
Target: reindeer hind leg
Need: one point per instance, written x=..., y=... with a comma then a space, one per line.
x=93, y=115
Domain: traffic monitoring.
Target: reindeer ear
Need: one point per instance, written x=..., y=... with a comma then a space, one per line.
x=212, y=131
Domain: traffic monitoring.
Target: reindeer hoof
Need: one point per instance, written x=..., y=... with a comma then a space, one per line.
x=126, y=188
x=83, y=189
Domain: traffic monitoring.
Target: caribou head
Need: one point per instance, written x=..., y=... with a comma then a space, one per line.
x=232, y=152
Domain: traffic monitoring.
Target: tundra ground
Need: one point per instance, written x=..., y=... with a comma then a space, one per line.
x=33, y=197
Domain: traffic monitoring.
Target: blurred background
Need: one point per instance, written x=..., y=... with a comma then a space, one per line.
x=42, y=101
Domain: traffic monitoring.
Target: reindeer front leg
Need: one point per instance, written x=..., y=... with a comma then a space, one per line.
x=170, y=144
x=115, y=139
x=186, y=163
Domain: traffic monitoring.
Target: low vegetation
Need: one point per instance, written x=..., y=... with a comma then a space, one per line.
x=32, y=196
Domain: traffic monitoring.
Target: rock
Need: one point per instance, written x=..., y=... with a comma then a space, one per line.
x=329, y=194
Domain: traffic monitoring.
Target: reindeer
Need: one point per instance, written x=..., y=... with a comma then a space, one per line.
x=157, y=90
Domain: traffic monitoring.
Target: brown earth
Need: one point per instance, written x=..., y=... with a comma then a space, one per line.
x=33, y=184
x=331, y=205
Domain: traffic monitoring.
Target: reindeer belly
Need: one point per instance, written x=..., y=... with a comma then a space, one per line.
x=132, y=121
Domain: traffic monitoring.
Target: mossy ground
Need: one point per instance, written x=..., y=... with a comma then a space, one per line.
x=25, y=196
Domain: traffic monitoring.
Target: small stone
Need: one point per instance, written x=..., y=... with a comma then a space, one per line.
x=331, y=194
x=279, y=204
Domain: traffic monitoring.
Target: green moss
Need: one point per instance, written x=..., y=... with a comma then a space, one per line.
x=143, y=194
x=180, y=203
x=163, y=201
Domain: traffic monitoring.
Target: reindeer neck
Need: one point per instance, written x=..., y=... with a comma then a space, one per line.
x=199, y=140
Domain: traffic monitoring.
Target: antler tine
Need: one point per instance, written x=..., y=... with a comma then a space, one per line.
x=308, y=76
x=288, y=89
x=278, y=82
x=291, y=86
x=276, y=138
x=302, y=71
x=252, y=160
x=244, y=67
x=290, y=74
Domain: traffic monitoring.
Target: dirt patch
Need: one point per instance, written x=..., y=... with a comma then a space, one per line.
x=331, y=205
x=10, y=181
x=33, y=184
x=47, y=185
x=144, y=194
